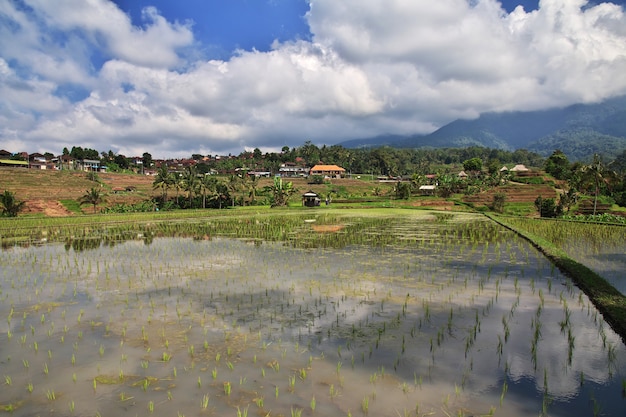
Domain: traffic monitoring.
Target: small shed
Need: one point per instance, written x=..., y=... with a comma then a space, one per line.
x=427, y=189
x=310, y=199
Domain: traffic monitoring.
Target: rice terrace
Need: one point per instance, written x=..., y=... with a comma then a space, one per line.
x=327, y=311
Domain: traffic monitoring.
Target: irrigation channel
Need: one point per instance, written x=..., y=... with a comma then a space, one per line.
x=418, y=314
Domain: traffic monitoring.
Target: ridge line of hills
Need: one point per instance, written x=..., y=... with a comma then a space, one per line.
x=579, y=131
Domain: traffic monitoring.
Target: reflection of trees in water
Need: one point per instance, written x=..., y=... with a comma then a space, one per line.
x=89, y=243
x=80, y=245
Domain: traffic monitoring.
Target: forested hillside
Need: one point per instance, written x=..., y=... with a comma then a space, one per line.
x=580, y=131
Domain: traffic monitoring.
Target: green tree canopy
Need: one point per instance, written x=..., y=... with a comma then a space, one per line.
x=558, y=165
x=473, y=164
x=92, y=196
x=10, y=205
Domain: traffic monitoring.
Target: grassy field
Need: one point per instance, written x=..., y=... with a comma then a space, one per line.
x=56, y=193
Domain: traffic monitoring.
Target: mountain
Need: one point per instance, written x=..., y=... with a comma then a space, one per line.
x=579, y=131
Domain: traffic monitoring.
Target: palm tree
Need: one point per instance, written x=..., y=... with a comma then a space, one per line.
x=10, y=206
x=163, y=181
x=597, y=174
x=176, y=182
x=190, y=182
x=208, y=183
x=93, y=196
x=252, y=186
x=233, y=186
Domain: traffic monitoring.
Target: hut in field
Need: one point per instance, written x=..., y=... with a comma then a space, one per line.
x=427, y=189
x=310, y=199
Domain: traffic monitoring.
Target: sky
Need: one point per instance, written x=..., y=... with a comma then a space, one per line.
x=176, y=78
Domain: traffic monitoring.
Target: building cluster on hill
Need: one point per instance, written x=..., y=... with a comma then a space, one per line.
x=141, y=165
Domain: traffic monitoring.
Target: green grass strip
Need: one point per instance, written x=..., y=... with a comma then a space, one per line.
x=609, y=301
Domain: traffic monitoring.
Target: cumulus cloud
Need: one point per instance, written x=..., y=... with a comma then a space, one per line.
x=369, y=68
x=102, y=22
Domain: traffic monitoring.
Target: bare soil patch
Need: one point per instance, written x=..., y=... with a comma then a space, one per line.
x=50, y=208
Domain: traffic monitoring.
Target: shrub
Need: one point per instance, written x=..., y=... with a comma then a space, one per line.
x=547, y=207
x=10, y=205
x=498, y=202
x=316, y=179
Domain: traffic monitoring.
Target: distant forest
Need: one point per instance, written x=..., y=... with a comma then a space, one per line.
x=384, y=160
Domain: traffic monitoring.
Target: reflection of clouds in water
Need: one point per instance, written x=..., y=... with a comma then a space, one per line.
x=589, y=358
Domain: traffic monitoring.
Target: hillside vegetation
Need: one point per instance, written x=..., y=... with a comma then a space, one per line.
x=579, y=131
x=57, y=193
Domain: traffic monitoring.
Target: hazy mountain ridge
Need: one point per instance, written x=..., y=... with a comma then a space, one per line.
x=579, y=131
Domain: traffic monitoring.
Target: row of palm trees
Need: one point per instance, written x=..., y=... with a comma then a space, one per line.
x=212, y=191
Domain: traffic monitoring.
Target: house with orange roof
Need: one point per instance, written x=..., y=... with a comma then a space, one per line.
x=328, y=171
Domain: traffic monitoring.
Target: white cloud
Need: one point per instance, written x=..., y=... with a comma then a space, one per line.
x=382, y=66
x=155, y=44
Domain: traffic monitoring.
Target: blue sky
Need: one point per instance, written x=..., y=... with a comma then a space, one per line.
x=223, y=26
x=219, y=76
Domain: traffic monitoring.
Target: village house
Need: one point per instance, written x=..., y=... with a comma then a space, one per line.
x=328, y=171
x=290, y=169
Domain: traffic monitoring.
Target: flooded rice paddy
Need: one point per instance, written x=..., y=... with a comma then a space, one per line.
x=419, y=315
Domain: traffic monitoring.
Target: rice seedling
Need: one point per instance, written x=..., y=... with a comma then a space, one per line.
x=50, y=395
x=296, y=412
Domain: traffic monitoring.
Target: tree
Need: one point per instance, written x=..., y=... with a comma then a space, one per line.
x=558, y=165
x=146, y=160
x=281, y=192
x=498, y=202
x=162, y=180
x=252, y=187
x=447, y=185
x=234, y=184
x=547, y=207
x=190, y=183
x=93, y=196
x=121, y=161
x=568, y=199
x=596, y=174
x=493, y=167
x=473, y=164
x=310, y=152
x=10, y=205
x=403, y=190
x=208, y=185
x=77, y=152
x=177, y=183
